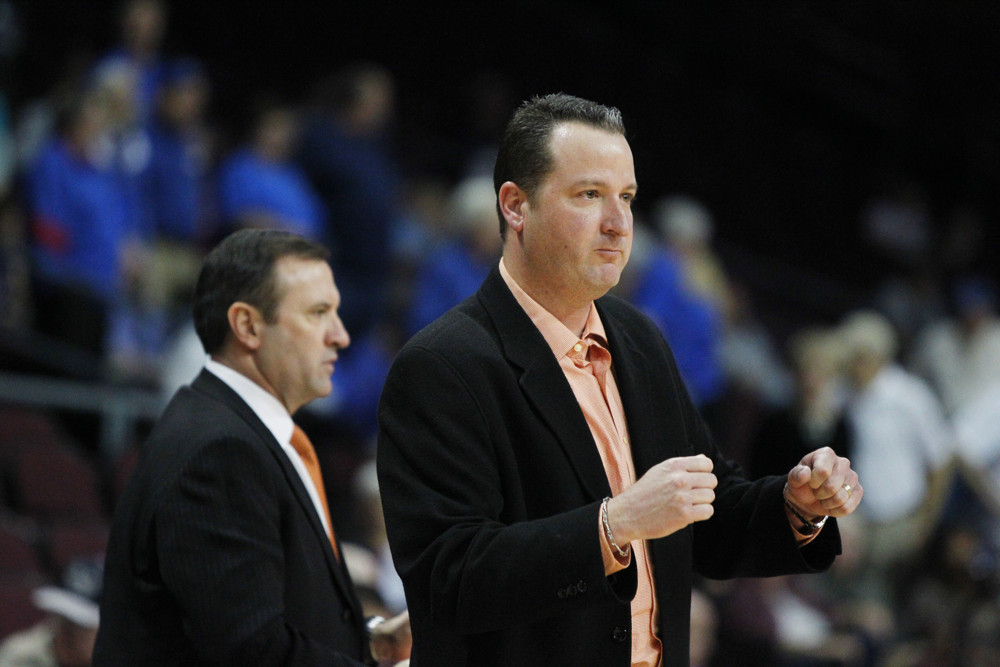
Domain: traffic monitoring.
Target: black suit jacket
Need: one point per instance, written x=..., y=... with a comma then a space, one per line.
x=216, y=553
x=491, y=484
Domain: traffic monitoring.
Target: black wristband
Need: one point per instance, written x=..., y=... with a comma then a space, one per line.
x=808, y=527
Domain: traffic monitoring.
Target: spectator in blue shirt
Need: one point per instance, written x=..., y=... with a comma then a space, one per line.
x=344, y=153
x=79, y=215
x=689, y=322
x=175, y=181
x=143, y=25
x=260, y=186
x=457, y=267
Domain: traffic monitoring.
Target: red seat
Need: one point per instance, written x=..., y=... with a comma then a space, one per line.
x=17, y=551
x=25, y=425
x=17, y=612
x=53, y=481
x=66, y=541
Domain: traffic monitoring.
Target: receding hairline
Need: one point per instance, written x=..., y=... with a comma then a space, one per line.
x=280, y=280
x=562, y=128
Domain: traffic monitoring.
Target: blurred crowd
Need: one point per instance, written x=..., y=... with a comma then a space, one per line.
x=116, y=182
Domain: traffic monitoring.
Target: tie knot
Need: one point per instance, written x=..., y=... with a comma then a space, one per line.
x=303, y=446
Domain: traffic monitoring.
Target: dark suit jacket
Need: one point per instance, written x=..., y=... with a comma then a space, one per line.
x=491, y=484
x=216, y=553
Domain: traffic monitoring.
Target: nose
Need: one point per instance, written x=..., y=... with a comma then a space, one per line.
x=337, y=335
x=617, y=218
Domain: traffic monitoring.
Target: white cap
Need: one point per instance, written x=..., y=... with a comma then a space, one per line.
x=78, y=598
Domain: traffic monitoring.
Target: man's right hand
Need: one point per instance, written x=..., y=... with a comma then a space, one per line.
x=670, y=496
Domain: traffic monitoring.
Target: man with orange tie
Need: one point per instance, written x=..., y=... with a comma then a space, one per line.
x=222, y=550
x=549, y=489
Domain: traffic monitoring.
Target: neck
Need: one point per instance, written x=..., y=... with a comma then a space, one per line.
x=245, y=365
x=571, y=311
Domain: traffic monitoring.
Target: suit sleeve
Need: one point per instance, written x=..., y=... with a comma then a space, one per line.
x=445, y=481
x=218, y=540
x=749, y=534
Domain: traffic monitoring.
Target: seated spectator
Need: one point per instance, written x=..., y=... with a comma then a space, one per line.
x=175, y=193
x=143, y=25
x=815, y=418
x=977, y=439
x=66, y=637
x=686, y=226
x=80, y=222
x=344, y=150
x=457, y=267
x=175, y=182
x=260, y=186
x=690, y=322
x=901, y=440
x=960, y=355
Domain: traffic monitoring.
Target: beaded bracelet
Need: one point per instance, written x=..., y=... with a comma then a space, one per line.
x=607, y=530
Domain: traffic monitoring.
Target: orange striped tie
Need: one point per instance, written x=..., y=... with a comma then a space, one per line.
x=301, y=444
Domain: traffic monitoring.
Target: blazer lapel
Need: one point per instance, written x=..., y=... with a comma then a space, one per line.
x=544, y=383
x=210, y=383
x=636, y=388
x=655, y=434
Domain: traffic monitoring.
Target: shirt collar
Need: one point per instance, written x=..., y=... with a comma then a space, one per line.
x=556, y=334
x=264, y=404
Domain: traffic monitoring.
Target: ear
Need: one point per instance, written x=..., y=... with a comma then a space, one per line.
x=513, y=204
x=245, y=322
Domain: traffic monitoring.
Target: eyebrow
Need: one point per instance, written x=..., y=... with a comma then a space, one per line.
x=597, y=182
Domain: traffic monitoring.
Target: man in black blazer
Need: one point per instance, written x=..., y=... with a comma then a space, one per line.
x=541, y=511
x=221, y=550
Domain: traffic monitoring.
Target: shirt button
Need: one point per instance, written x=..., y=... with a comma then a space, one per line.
x=619, y=634
x=577, y=347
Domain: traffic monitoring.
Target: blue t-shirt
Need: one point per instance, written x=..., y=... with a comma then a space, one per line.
x=248, y=184
x=80, y=219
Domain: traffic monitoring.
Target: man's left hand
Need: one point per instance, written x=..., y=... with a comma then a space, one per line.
x=823, y=484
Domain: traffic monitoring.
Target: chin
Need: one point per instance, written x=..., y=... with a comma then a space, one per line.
x=606, y=278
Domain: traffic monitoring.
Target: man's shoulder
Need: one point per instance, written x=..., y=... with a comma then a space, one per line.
x=618, y=313
x=619, y=307
x=464, y=328
x=198, y=415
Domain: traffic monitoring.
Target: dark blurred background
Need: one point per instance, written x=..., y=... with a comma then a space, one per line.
x=784, y=118
x=815, y=235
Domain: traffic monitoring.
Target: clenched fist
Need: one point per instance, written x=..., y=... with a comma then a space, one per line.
x=670, y=496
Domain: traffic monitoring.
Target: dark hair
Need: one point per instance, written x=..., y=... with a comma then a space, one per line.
x=241, y=268
x=524, y=156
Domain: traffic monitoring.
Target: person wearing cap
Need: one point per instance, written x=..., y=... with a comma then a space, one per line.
x=66, y=637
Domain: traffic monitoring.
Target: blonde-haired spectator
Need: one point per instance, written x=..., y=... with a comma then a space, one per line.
x=902, y=443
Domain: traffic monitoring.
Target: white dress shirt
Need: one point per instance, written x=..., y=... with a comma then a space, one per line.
x=277, y=420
